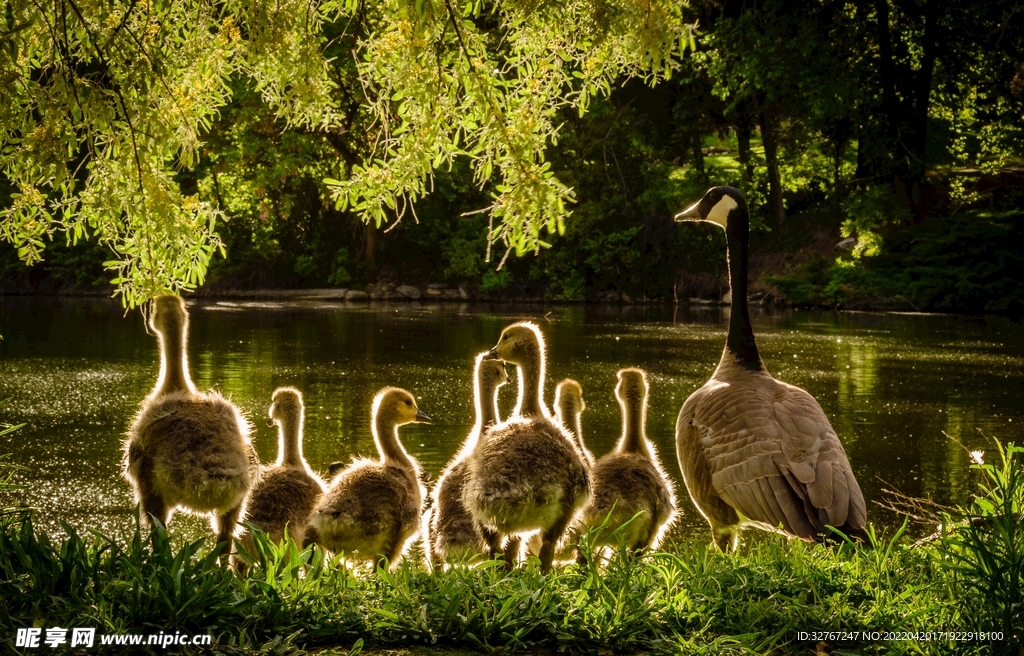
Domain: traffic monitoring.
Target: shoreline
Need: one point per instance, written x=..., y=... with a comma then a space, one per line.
x=444, y=294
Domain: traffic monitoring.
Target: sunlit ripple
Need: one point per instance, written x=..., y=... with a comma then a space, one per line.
x=75, y=371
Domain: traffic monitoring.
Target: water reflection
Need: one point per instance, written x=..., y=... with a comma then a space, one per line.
x=75, y=370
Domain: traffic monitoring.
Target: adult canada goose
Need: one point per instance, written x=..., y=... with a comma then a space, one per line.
x=452, y=532
x=289, y=490
x=629, y=482
x=526, y=474
x=753, y=449
x=372, y=508
x=187, y=449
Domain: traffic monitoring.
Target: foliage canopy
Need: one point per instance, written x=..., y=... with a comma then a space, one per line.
x=107, y=104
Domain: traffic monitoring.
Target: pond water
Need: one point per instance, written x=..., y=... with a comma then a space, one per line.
x=74, y=370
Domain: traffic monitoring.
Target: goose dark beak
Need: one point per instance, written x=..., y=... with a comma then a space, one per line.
x=691, y=213
x=492, y=355
x=422, y=418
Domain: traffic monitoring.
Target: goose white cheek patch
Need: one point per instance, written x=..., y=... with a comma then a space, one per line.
x=720, y=212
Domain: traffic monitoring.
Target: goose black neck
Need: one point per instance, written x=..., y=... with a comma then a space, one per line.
x=740, y=341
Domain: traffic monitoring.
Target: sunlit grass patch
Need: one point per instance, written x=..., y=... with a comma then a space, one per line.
x=690, y=598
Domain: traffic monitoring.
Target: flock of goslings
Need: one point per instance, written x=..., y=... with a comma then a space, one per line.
x=752, y=450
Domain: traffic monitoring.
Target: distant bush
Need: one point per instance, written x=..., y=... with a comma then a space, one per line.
x=968, y=262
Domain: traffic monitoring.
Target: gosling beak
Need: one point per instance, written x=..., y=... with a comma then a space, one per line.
x=422, y=418
x=691, y=213
x=492, y=354
x=270, y=422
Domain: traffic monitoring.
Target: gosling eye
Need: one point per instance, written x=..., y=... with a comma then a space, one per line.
x=504, y=337
x=408, y=402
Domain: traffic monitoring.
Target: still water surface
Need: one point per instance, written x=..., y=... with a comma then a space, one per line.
x=74, y=370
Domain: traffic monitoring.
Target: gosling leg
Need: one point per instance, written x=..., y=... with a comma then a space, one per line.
x=436, y=559
x=493, y=541
x=511, y=554
x=311, y=536
x=551, y=536
x=151, y=502
x=226, y=524
x=652, y=535
x=395, y=551
x=153, y=506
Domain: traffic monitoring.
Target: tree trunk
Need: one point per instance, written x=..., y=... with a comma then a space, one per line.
x=934, y=11
x=743, y=142
x=887, y=73
x=370, y=251
x=772, y=161
x=696, y=147
x=878, y=149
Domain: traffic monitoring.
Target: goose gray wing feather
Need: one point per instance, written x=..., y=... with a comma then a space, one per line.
x=832, y=486
x=774, y=457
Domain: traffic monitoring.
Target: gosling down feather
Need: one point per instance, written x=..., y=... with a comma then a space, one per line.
x=289, y=490
x=753, y=449
x=569, y=407
x=526, y=474
x=188, y=449
x=372, y=508
x=452, y=532
x=629, y=486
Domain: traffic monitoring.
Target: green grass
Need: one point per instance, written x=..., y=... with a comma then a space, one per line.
x=688, y=599
x=7, y=472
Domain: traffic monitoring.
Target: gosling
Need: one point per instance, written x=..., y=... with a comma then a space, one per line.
x=289, y=490
x=631, y=490
x=526, y=474
x=187, y=449
x=371, y=511
x=569, y=407
x=453, y=535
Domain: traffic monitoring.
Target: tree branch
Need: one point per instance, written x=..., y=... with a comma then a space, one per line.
x=114, y=84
